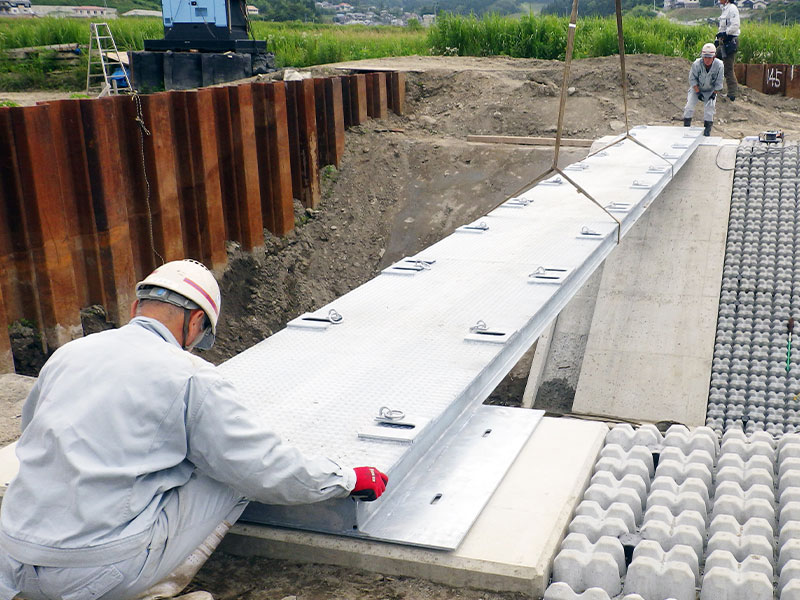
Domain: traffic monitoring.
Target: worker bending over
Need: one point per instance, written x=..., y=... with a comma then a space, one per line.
x=137, y=456
x=705, y=80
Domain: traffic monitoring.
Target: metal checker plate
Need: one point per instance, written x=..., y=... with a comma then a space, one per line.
x=402, y=343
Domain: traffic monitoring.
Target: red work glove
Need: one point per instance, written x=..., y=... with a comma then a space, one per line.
x=370, y=483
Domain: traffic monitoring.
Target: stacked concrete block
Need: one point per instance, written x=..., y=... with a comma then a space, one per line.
x=740, y=549
x=591, y=564
x=788, y=564
x=751, y=389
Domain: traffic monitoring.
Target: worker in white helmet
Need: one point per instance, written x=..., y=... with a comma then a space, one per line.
x=705, y=80
x=137, y=456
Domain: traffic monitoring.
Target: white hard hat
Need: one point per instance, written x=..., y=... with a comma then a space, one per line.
x=708, y=50
x=189, y=280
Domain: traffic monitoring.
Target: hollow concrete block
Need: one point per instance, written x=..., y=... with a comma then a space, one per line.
x=670, y=536
x=639, y=453
x=628, y=437
x=655, y=579
x=562, y=591
x=735, y=585
x=692, y=485
x=741, y=545
x=607, y=545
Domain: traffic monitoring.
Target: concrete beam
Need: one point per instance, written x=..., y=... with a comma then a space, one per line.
x=648, y=355
x=509, y=548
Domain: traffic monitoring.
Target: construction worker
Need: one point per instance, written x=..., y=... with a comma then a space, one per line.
x=705, y=80
x=137, y=456
x=727, y=43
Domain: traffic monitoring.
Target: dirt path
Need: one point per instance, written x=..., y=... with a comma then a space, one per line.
x=399, y=191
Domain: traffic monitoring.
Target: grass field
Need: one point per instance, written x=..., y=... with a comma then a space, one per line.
x=302, y=44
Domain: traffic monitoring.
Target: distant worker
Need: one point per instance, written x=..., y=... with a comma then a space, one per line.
x=705, y=80
x=137, y=456
x=727, y=43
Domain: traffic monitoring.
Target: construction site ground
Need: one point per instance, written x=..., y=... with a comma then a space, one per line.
x=404, y=183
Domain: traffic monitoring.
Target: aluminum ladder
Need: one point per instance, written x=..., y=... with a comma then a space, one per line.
x=104, y=60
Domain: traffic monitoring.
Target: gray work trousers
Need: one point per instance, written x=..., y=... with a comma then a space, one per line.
x=730, y=76
x=691, y=102
x=189, y=516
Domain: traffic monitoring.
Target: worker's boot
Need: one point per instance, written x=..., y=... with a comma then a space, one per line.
x=687, y=122
x=707, y=130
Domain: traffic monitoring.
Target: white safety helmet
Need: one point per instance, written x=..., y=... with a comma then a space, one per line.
x=708, y=50
x=187, y=284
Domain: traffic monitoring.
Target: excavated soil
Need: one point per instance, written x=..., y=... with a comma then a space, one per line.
x=405, y=183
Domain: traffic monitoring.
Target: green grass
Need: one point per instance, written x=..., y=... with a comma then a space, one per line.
x=693, y=14
x=545, y=37
x=302, y=44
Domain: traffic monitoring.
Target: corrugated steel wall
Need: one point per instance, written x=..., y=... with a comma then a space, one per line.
x=220, y=164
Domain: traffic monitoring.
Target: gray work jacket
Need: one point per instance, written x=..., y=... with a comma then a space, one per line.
x=706, y=80
x=729, y=19
x=115, y=422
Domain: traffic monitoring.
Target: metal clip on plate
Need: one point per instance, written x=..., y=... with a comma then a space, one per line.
x=588, y=233
x=313, y=321
x=480, y=332
x=516, y=203
x=549, y=275
x=552, y=181
x=409, y=266
x=640, y=185
x=481, y=227
x=619, y=207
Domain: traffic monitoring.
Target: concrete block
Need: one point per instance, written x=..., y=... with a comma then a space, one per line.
x=594, y=528
x=626, y=436
x=680, y=471
x=700, y=438
x=587, y=568
x=788, y=551
x=789, y=494
x=721, y=583
x=681, y=554
x=789, y=512
x=746, y=477
x=606, y=495
x=689, y=517
x=655, y=575
x=742, y=509
x=788, y=464
x=561, y=591
x=692, y=485
x=607, y=545
x=616, y=510
x=788, y=532
x=790, y=571
x=736, y=461
x=791, y=591
x=621, y=467
x=670, y=536
x=678, y=503
x=631, y=482
x=733, y=488
x=748, y=449
x=618, y=452
x=741, y=545
x=751, y=564
x=730, y=524
x=696, y=456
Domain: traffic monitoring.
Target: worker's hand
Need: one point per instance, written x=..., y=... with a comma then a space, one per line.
x=700, y=96
x=370, y=483
x=713, y=95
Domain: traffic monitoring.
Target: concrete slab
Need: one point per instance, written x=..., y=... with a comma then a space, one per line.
x=648, y=356
x=510, y=547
